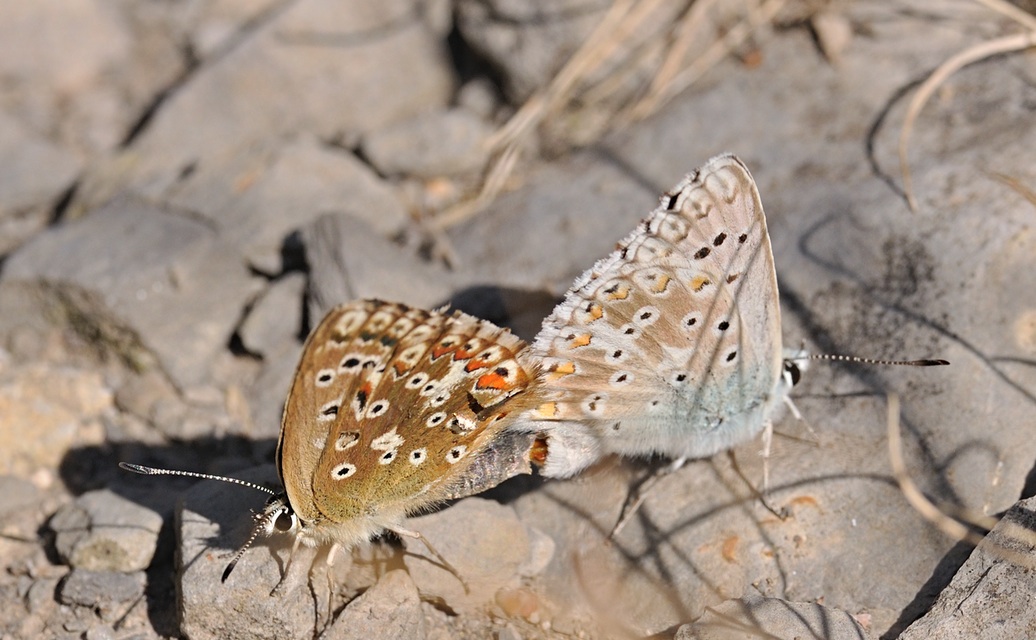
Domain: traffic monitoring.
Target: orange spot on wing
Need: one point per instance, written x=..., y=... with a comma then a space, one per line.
x=560, y=371
x=699, y=282
x=439, y=351
x=547, y=410
x=475, y=365
x=580, y=341
x=491, y=381
x=661, y=284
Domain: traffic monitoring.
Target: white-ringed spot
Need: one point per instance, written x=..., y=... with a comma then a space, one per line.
x=595, y=403
x=429, y=388
x=343, y=471
x=349, y=362
x=377, y=408
x=454, y=455
x=621, y=379
x=630, y=330
x=346, y=439
x=324, y=378
x=417, y=456
x=417, y=380
x=645, y=316
x=328, y=411
x=387, y=457
x=435, y=419
x=691, y=320
x=616, y=356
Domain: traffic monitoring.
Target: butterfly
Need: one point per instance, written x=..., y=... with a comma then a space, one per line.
x=393, y=410
x=672, y=344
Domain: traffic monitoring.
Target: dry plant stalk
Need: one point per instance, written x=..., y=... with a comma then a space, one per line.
x=1007, y=44
x=957, y=529
x=628, y=39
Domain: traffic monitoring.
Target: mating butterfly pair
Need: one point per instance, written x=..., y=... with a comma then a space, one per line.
x=671, y=345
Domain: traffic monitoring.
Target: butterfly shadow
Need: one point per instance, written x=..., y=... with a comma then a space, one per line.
x=91, y=468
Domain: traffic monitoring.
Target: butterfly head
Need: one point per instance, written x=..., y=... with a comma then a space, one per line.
x=795, y=363
x=275, y=518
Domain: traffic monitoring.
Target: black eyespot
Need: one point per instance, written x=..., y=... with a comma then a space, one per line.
x=349, y=363
x=793, y=372
x=331, y=410
x=701, y=253
x=741, y=238
x=723, y=326
x=719, y=239
x=680, y=377
x=731, y=355
x=283, y=522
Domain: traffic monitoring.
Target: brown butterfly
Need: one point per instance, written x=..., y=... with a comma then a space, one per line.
x=393, y=411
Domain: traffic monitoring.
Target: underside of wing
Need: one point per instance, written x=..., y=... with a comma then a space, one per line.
x=672, y=343
x=394, y=405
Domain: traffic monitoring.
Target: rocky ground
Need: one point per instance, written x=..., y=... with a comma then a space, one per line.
x=187, y=186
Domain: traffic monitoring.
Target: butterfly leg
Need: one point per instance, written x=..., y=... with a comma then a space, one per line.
x=329, y=565
x=639, y=493
x=400, y=531
x=287, y=566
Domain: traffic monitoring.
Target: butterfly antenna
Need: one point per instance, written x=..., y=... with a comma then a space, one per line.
x=262, y=523
x=152, y=471
x=859, y=360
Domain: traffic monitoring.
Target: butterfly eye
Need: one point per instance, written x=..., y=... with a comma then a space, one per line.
x=792, y=371
x=284, y=522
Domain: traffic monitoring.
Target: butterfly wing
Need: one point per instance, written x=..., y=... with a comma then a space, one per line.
x=395, y=409
x=672, y=344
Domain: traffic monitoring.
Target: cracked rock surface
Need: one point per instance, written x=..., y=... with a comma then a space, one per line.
x=187, y=187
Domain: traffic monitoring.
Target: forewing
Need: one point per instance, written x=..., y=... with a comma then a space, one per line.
x=418, y=397
x=672, y=343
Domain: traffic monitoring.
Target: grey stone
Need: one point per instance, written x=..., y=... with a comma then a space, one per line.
x=83, y=93
x=166, y=284
x=102, y=590
x=563, y=219
x=306, y=68
x=348, y=260
x=992, y=594
x=478, y=96
x=756, y=617
x=389, y=609
x=482, y=539
x=435, y=143
x=528, y=40
x=36, y=173
x=41, y=595
x=266, y=394
x=212, y=522
x=276, y=317
x=16, y=496
x=102, y=531
x=260, y=195
x=142, y=395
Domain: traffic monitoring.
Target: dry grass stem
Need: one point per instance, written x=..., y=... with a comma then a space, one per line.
x=1007, y=44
